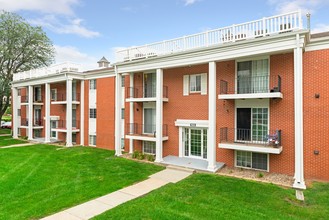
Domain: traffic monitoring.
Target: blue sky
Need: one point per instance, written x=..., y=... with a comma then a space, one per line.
x=83, y=31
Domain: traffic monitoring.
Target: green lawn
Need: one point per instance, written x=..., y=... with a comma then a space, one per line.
x=39, y=180
x=5, y=131
x=208, y=196
x=7, y=140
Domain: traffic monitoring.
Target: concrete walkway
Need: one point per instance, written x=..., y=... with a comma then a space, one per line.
x=18, y=145
x=4, y=135
x=97, y=206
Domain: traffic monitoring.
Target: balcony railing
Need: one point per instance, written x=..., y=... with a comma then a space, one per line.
x=251, y=137
x=144, y=92
x=24, y=122
x=252, y=84
x=37, y=98
x=36, y=122
x=61, y=97
x=42, y=72
x=145, y=129
x=61, y=124
x=258, y=28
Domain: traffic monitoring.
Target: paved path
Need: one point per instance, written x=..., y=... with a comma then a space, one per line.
x=97, y=206
x=2, y=135
x=18, y=145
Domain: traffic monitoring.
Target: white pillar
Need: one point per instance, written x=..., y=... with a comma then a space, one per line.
x=82, y=112
x=131, y=112
x=15, y=112
x=47, y=112
x=211, y=148
x=69, y=113
x=118, y=100
x=159, y=116
x=298, y=98
x=30, y=118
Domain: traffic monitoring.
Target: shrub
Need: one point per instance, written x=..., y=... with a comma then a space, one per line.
x=260, y=175
x=150, y=157
x=135, y=154
x=140, y=156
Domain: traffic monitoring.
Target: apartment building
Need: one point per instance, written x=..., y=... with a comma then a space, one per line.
x=251, y=95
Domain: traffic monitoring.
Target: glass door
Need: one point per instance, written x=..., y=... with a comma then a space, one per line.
x=244, y=77
x=149, y=85
x=37, y=116
x=195, y=142
x=74, y=118
x=149, y=121
x=243, y=124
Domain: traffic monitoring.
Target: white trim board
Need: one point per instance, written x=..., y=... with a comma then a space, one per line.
x=192, y=123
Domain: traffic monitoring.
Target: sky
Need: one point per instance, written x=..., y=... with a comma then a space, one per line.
x=83, y=31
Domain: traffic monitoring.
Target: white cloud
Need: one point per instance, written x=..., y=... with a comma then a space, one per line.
x=72, y=54
x=284, y=6
x=44, y=6
x=190, y=2
x=68, y=26
x=320, y=28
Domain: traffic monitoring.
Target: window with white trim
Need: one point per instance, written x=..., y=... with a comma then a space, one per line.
x=92, y=84
x=53, y=94
x=149, y=147
x=122, y=144
x=252, y=160
x=122, y=113
x=195, y=142
x=92, y=140
x=92, y=113
x=19, y=92
x=195, y=83
x=18, y=112
x=123, y=81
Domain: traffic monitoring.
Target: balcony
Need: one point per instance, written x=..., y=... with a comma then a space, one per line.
x=261, y=141
x=37, y=123
x=46, y=71
x=144, y=94
x=144, y=132
x=264, y=27
x=61, y=126
x=24, y=100
x=38, y=99
x=251, y=87
x=60, y=98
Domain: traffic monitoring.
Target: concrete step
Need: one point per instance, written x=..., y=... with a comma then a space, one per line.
x=188, y=170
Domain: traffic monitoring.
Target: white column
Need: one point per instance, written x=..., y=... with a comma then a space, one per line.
x=159, y=115
x=15, y=112
x=47, y=112
x=69, y=113
x=82, y=112
x=298, y=98
x=118, y=97
x=30, y=118
x=211, y=148
x=131, y=112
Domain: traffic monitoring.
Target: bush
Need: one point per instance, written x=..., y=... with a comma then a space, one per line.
x=150, y=157
x=140, y=156
x=260, y=175
x=135, y=154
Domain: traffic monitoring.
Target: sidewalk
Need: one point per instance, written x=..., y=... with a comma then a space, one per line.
x=18, y=145
x=97, y=206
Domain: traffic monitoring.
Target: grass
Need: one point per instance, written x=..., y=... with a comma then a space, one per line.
x=208, y=196
x=5, y=131
x=7, y=140
x=40, y=180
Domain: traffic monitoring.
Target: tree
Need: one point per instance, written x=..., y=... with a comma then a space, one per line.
x=22, y=47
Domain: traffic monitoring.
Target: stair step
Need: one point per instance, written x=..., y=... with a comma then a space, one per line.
x=173, y=167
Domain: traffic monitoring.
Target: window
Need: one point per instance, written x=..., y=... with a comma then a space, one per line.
x=19, y=92
x=195, y=83
x=53, y=124
x=195, y=142
x=253, y=76
x=18, y=112
x=122, y=144
x=148, y=147
x=123, y=81
x=122, y=113
x=53, y=94
x=18, y=131
x=92, y=84
x=92, y=113
x=92, y=140
x=37, y=94
x=37, y=133
x=252, y=160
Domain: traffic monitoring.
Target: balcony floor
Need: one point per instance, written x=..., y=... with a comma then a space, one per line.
x=193, y=163
x=144, y=137
x=259, y=148
x=270, y=95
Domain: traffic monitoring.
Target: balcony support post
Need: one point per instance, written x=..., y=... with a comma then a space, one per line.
x=30, y=118
x=47, y=112
x=118, y=105
x=131, y=113
x=159, y=116
x=298, y=93
x=82, y=112
x=69, y=112
x=15, y=111
x=211, y=151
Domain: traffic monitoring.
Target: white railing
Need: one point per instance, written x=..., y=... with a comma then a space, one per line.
x=258, y=28
x=45, y=71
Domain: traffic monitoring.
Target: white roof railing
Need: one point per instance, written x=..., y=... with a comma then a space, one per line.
x=258, y=28
x=46, y=71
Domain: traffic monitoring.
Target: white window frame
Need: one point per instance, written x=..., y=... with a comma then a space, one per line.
x=149, y=152
x=202, y=142
x=187, y=84
x=53, y=94
x=93, y=113
x=92, y=140
x=92, y=84
x=250, y=168
x=51, y=127
x=194, y=76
